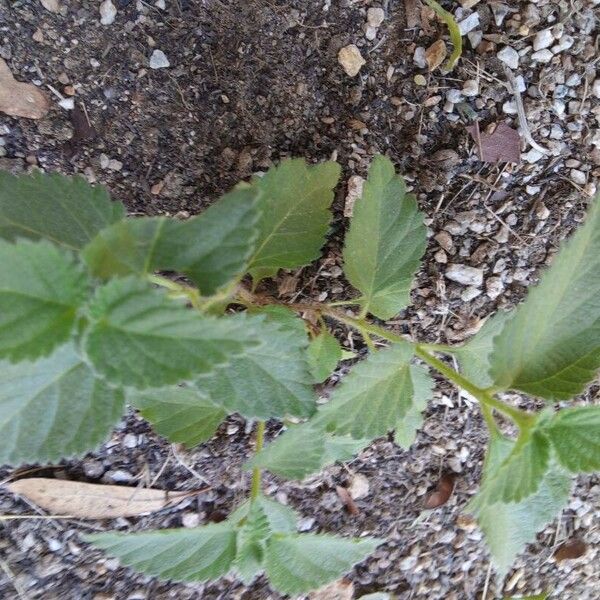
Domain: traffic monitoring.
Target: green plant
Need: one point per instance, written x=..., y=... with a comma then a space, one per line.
x=87, y=325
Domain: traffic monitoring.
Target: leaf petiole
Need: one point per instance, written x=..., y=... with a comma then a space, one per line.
x=256, y=472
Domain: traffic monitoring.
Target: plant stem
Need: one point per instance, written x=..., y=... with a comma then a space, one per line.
x=260, y=438
x=454, y=31
x=179, y=289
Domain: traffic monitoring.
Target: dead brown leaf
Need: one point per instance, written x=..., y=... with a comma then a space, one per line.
x=347, y=500
x=337, y=590
x=442, y=492
x=571, y=549
x=93, y=501
x=436, y=54
x=20, y=99
x=500, y=144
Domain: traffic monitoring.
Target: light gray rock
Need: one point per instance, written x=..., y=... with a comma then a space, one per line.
x=465, y=275
x=158, y=60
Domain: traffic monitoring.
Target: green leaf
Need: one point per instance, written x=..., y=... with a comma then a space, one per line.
x=341, y=448
x=182, y=415
x=324, y=354
x=281, y=518
x=542, y=596
x=575, y=435
x=41, y=288
x=523, y=470
x=294, y=206
x=508, y=528
x=406, y=429
x=65, y=210
x=385, y=242
x=272, y=380
x=140, y=337
x=213, y=249
x=551, y=347
x=54, y=408
x=127, y=247
x=298, y=563
x=197, y=554
x=251, y=543
x=474, y=356
x=377, y=394
x=294, y=455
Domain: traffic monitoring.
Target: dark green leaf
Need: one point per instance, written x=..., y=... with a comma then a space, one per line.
x=196, y=554
x=324, y=354
x=377, y=394
x=298, y=563
x=294, y=206
x=551, y=347
x=575, y=435
x=139, y=337
x=385, y=242
x=182, y=415
x=54, y=408
x=272, y=380
x=65, y=210
x=41, y=288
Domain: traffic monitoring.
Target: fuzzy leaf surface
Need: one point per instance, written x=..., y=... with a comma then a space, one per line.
x=385, y=242
x=197, y=554
x=575, y=435
x=298, y=563
x=474, y=356
x=182, y=415
x=324, y=354
x=53, y=408
x=272, y=380
x=294, y=205
x=281, y=518
x=551, y=347
x=376, y=395
x=509, y=527
x=251, y=543
x=41, y=289
x=139, y=337
x=65, y=210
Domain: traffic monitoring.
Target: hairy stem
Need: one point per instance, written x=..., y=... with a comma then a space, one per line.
x=256, y=473
x=179, y=290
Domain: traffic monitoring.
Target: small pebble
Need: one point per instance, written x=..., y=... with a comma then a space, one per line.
x=93, y=469
x=118, y=476
x=494, y=287
x=468, y=24
x=578, y=177
x=465, y=275
x=543, y=39
x=370, y=32
x=158, y=60
x=596, y=88
x=190, y=519
x=509, y=56
x=108, y=12
x=542, y=56
x=351, y=60
x=532, y=156
x=470, y=88
x=470, y=294
x=375, y=17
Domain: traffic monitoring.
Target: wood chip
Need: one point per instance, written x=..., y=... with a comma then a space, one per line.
x=436, y=54
x=337, y=590
x=347, y=500
x=20, y=99
x=442, y=492
x=571, y=549
x=93, y=501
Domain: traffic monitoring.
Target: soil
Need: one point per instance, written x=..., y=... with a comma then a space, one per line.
x=251, y=82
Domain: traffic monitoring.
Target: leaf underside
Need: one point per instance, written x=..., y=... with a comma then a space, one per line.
x=385, y=242
x=324, y=354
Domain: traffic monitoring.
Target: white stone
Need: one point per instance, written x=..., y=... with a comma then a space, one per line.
x=543, y=39
x=494, y=287
x=370, y=32
x=566, y=41
x=160, y=4
x=375, y=16
x=454, y=96
x=51, y=5
x=578, y=177
x=108, y=12
x=596, y=88
x=158, y=60
x=509, y=56
x=470, y=294
x=470, y=88
x=532, y=156
x=351, y=60
x=465, y=275
x=67, y=103
x=468, y=24
x=419, y=57
x=542, y=56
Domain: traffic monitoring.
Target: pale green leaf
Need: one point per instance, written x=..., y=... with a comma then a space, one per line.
x=182, y=415
x=251, y=543
x=293, y=455
x=296, y=564
x=341, y=448
x=377, y=394
x=508, y=528
x=324, y=354
x=406, y=429
x=198, y=554
x=139, y=337
x=281, y=518
x=551, y=347
x=474, y=356
x=54, y=408
x=575, y=435
x=523, y=470
x=65, y=210
x=272, y=380
x=542, y=596
x=294, y=206
x=41, y=289
x=385, y=242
